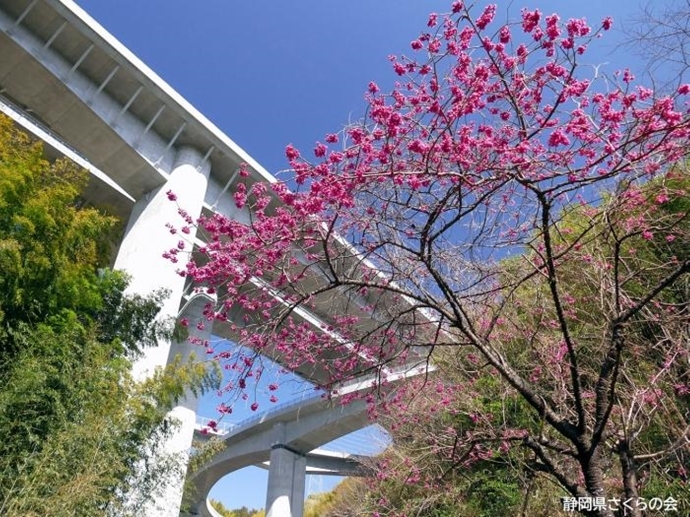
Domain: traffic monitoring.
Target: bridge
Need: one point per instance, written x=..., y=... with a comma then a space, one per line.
x=285, y=441
x=71, y=84
x=288, y=437
x=242, y=451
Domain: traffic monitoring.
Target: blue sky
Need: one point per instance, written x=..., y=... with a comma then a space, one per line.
x=271, y=73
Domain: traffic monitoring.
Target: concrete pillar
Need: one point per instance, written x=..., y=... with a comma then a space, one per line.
x=287, y=473
x=147, y=238
x=140, y=255
x=184, y=414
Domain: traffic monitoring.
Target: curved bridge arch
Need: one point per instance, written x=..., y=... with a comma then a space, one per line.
x=285, y=436
x=293, y=430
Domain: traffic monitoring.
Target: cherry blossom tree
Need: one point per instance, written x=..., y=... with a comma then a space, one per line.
x=505, y=215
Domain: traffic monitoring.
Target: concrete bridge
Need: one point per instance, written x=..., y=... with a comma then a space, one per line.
x=288, y=437
x=285, y=441
x=70, y=83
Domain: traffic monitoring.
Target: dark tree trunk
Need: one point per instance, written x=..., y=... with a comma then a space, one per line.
x=629, y=476
x=592, y=468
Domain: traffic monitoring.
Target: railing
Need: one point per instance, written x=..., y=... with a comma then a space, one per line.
x=223, y=428
x=306, y=396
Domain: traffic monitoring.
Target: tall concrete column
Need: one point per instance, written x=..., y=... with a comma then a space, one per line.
x=184, y=414
x=147, y=238
x=140, y=255
x=287, y=474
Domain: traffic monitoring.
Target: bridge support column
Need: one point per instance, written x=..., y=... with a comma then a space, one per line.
x=146, y=239
x=286, y=479
x=184, y=414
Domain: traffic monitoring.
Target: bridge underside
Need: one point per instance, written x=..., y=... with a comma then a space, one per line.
x=286, y=442
x=68, y=81
x=74, y=86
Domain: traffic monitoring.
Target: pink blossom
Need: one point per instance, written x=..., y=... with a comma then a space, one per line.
x=522, y=52
x=530, y=20
x=558, y=137
x=320, y=150
x=553, y=29
x=291, y=152
x=240, y=199
x=607, y=23
x=537, y=35
x=487, y=16
x=504, y=35
x=416, y=44
x=171, y=195
x=681, y=390
x=254, y=406
x=577, y=27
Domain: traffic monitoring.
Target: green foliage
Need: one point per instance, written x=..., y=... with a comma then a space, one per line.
x=319, y=504
x=347, y=499
x=76, y=432
x=49, y=248
x=239, y=512
x=494, y=492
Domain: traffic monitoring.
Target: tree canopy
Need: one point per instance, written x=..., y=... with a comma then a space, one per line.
x=512, y=217
x=238, y=512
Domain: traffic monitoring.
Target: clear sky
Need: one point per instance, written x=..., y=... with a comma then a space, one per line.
x=270, y=73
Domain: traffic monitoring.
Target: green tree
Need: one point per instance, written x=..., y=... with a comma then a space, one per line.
x=238, y=512
x=348, y=498
x=473, y=479
x=74, y=426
